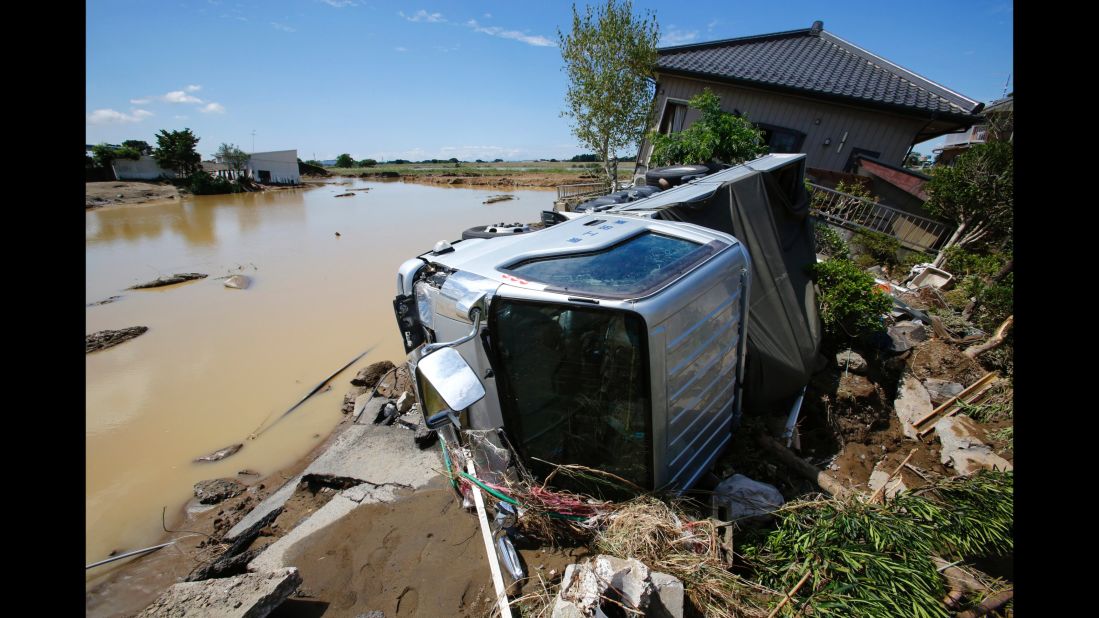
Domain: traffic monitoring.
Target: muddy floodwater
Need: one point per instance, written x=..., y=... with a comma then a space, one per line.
x=218, y=364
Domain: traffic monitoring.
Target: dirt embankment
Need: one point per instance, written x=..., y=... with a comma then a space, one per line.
x=98, y=194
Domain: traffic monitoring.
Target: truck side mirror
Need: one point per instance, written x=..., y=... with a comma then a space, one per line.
x=452, y=378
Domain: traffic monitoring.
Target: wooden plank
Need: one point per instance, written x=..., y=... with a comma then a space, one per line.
x=490, y=549
x=960, y=396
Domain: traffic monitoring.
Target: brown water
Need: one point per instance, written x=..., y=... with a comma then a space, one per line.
x=216, y=362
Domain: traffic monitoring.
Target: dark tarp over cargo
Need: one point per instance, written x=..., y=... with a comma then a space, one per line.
x=769, y=212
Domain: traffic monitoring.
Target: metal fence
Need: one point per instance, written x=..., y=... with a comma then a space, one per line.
x=582, y=190
x=912, y=231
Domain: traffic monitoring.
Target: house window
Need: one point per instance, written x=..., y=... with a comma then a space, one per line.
x=780, y=139
x=675, y=112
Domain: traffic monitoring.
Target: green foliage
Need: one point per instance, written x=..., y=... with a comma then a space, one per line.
x=995, y=300
x=906, y=263
x=976, y=193
x=367, y=163
x=175, y=151
x=202, y=183
x=830, y=243
x=849, y=301
x=716, y=136
x=882, y=247
x=876, y=560
x=233, y=157
x=345, y=160
x=857, y=189
x=104, y=154
x=584, y=158
x=960, y=262
x=142, y=147
x=314, y=162
x=609, y=57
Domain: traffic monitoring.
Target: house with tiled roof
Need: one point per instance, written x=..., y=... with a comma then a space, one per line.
x=812, y=92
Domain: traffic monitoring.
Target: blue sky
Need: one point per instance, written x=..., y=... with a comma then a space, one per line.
x=423, y=79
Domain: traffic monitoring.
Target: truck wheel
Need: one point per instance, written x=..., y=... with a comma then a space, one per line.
x=674, y=174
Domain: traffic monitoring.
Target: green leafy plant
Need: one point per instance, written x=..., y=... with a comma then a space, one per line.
x=202, y=183
x=175, y=150
x=882, y=247
x=850, y=302
x=977, y=194
x=830, y=243
x=877, y=560
x=716, y=136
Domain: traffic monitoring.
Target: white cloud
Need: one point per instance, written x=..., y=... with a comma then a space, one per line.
x=423, y=15
x=178, y=96
x=488, y=15
x=110, y=116
x=339, y=4
x=400, y=49
x=470, y=153
x=277, y=26
x=193, y=88
x=675, y=36
x=536, y=40
x=213, y=108
x=143, y=101
x=177, y=117
x=710, y=26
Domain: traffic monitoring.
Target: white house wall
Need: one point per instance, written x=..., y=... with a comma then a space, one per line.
x=283, y=165
x=144, y=168
x=889, y=134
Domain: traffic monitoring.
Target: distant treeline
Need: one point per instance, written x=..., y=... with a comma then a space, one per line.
x=581, y=158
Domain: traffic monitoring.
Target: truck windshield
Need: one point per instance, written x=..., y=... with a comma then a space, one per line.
x=632, y=268
x=574, y=387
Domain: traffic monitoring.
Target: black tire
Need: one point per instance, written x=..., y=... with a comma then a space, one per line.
x=674, y=174
x=479, y=232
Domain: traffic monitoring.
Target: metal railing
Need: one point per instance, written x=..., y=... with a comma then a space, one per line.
x=912, y=231
x=582, y=190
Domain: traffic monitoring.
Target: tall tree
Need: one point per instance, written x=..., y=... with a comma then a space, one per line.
x=609, y=57
x=104, y=154
x=233, y=157
x=345, y=160
x=977, y=194
x=175, y=150
x=141, y=146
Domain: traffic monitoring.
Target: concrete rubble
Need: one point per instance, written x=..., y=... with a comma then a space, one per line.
x=963, y=450
x=906, y=335
x=238, y=282
x=941, y=390
x=216, y=490
x=586, y=586
x=880, y=476
x=252, y=595
x=849, y=360
x=912, y=404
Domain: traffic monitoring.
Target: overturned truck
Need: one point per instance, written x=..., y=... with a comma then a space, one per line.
x=628, y=340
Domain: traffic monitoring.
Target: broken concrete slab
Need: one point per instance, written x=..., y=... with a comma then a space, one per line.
x=274, y=555
x=941, y=390
x=370, y=453
x=912, y=404
x=905, y=335
x=252, y=595
x=369, y=405
x=850, y=360
x=404, y=402
x=587, y=585
x=962, y=449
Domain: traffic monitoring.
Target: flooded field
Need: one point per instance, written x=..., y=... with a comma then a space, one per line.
x=218, y=364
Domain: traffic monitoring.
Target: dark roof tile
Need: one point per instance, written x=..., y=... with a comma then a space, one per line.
x=816, y=64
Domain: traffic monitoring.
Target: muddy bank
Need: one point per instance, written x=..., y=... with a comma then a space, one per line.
x=97, y=194
x=108, y=338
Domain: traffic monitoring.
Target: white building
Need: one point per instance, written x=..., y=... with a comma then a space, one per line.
x=276, y=167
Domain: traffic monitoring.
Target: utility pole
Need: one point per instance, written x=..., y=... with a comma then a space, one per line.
x=253, y=141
